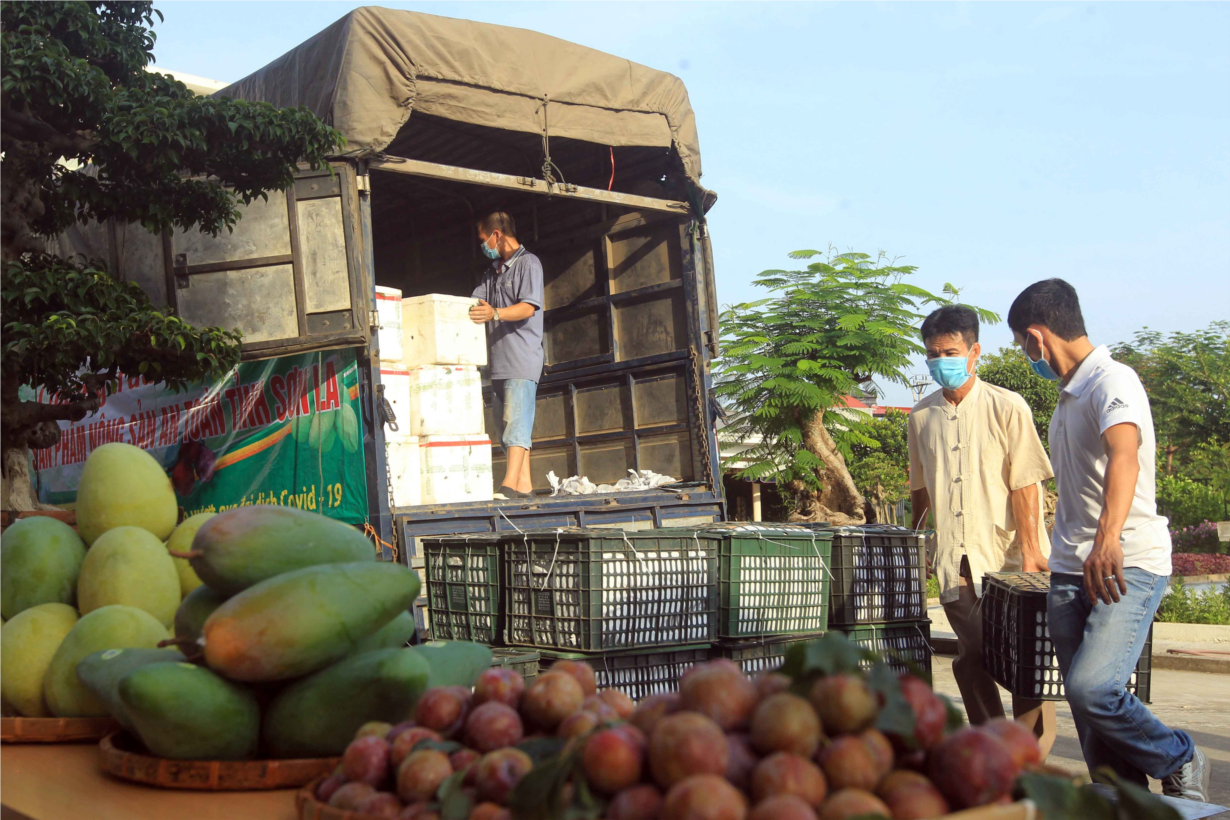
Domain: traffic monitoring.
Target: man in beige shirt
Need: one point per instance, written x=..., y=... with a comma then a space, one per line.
x=976, y=463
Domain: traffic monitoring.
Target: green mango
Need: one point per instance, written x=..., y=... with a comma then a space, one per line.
x=194, y=610
x=101, y=673
x=28, y=643
x=304, y=620
x=348, y=428
x=181, y=541
x=40, y=559
x=186, y=712
x=454, y=663
x=130, y=567
x=319, y=715
x=110, y=627
x=393, y=635
x=241, y=547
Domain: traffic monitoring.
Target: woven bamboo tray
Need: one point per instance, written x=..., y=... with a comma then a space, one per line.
x=125, y=758
x=307, y=807
x=55, y=730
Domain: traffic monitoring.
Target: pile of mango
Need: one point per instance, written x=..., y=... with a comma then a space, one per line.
x=262, y=631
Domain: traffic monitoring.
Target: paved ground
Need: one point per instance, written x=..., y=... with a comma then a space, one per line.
x=1196, y=702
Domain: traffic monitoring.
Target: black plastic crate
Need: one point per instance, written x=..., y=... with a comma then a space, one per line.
x=601, y=590
x=772, y=580
x=637, y=674
x=1016, y=641
x=901, y=645
x=463, y=590
x=524, y=661
x=879, y=575
x=756, y=655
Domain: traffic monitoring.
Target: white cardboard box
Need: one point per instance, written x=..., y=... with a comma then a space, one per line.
x=445, y=400
x=436, y=329
x=455, y=469
x=405, y=470
x=388, y=311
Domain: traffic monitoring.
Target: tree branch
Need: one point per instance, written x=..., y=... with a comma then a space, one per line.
x=19, y=126
x=26, y=414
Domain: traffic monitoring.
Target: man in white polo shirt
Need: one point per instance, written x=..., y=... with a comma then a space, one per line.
x=1110, y=550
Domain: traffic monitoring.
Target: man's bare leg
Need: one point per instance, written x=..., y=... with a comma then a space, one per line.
x=518, y=467
x=1039, y=717
x=526, y=484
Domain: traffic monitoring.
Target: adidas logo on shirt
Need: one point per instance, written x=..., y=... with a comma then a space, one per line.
x=1117, y=404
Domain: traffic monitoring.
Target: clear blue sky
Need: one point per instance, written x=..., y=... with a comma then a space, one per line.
x=990, y=144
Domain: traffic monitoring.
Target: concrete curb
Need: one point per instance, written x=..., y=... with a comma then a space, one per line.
x=1192, y=663
x=1163, y=660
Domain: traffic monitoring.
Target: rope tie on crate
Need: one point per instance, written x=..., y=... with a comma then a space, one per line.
x=629, y=543
x=926, y=642
x=823, y=566
x=550, y=568
x=524, y=535
x=368, y=529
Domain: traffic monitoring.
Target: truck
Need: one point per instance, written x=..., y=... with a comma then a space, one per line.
x=596, y=157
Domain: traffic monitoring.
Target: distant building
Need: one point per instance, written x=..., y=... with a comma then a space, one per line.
x=199, y=85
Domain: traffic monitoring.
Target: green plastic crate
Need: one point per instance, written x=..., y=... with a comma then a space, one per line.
x=902, y=644
x=638, y=674
x=772, y=580
x=521, y=660
x=601, y=590
x=756, y=655
x=463, y=590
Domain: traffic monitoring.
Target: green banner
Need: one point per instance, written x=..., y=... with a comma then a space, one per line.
x=284, y=431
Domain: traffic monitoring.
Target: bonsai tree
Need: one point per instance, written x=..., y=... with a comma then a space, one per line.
x=789, y=361
x=88, y=133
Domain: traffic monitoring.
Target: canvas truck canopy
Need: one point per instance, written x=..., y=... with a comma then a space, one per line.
x=371, y=70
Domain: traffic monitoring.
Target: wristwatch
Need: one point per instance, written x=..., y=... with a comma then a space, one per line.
x=495, y=316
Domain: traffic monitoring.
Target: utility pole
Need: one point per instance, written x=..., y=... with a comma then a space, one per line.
x=919, y=385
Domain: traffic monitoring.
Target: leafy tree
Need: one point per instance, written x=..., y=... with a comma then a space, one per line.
x=88, y=134
x=881, y=467
x=789, y=359
x=1010, y=369
x=1187, y=377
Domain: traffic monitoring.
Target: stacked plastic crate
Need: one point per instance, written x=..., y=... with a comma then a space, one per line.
x=773, y=590
x=878, y=595
x=641, y=607
x=430, y=353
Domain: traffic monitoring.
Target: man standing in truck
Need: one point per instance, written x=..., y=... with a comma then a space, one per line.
x=510, y=304
x=976, y=463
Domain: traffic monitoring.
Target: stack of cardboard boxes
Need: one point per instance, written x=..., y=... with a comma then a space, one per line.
x=430, y=353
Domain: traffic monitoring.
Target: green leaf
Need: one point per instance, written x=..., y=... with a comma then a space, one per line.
x=542, y=748
x=830, y=654
x=1059, y=798
x=896, y=716
x=537, y=794
x=585, y=804
x=955, y=719
x=446, y=746
x=455, y=801
x=1135, y=802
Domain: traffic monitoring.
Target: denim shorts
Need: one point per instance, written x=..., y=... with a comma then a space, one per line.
x=515, y=400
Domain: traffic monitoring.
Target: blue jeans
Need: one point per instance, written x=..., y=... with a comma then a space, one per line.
x=1097, y=648
x=515, y=401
